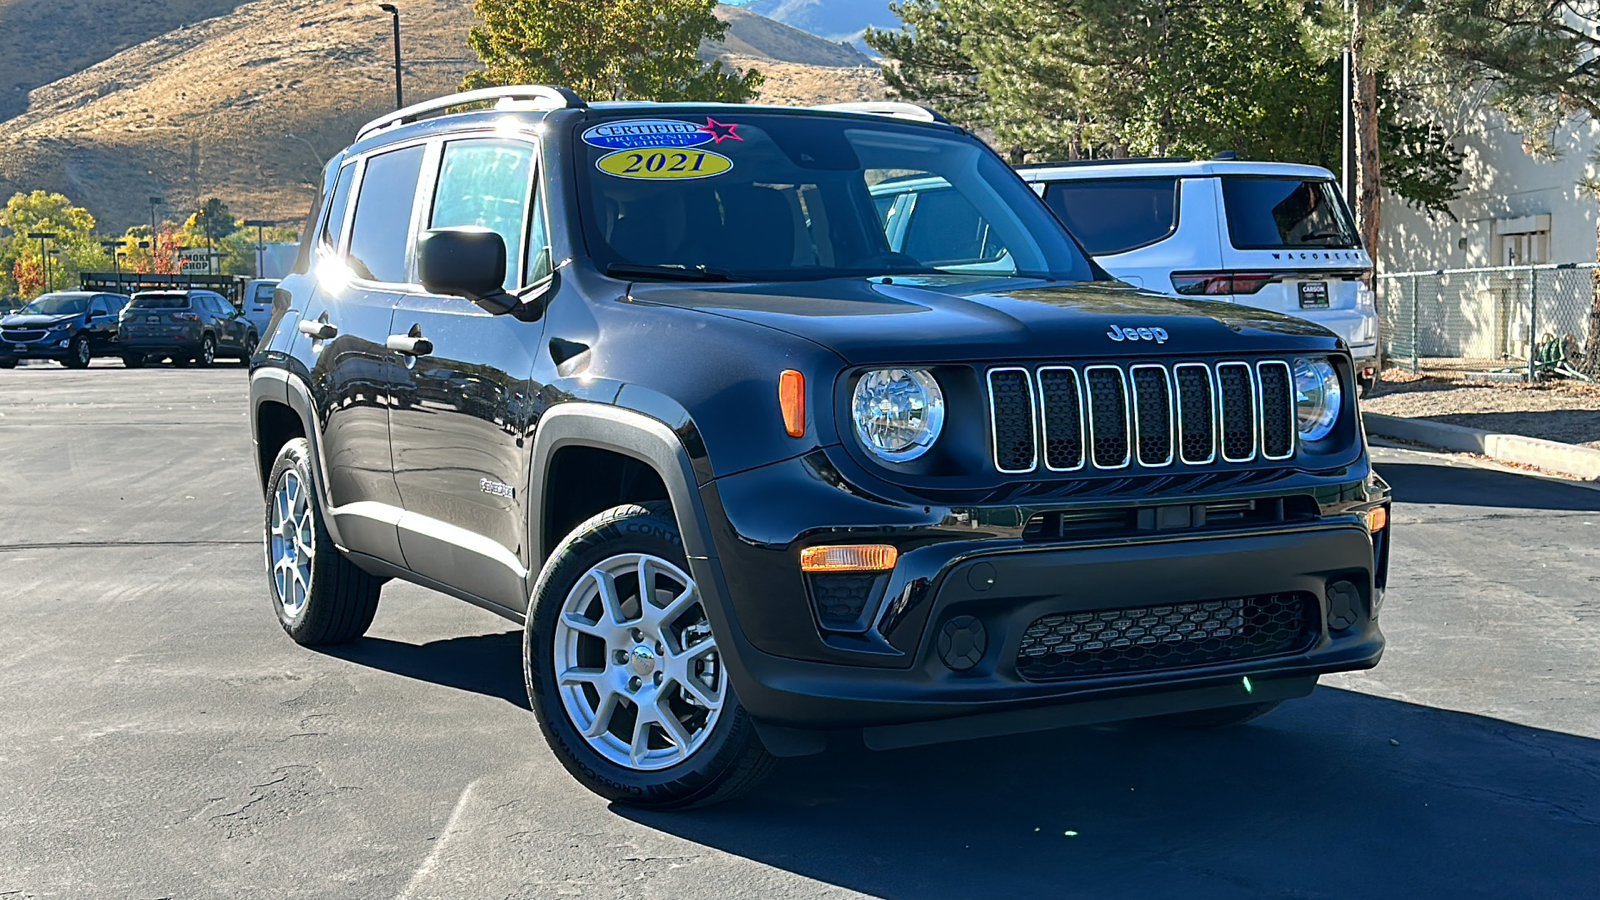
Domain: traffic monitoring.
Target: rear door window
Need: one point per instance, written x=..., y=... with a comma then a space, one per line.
x=1115, y=215
x=378, y=237
x=1286, y=213
x=488, y=183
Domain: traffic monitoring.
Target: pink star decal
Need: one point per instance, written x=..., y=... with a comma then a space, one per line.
x=720, y=131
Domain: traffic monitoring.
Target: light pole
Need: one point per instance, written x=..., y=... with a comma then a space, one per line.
x=154, y=202
x=44, y=261
x=394, y=11
x=261, y=245
x=1344, y=117
x=116, y=270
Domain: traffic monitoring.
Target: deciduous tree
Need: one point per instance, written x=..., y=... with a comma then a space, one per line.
x=606, y=49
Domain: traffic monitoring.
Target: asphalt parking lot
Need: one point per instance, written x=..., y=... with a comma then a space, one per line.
x=161, y=737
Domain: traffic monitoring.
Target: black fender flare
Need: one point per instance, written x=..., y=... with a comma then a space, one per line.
x=277, y=385
x=634, y=434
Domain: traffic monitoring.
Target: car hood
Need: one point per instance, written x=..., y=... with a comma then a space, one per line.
x=36, y=321
x=976, y=319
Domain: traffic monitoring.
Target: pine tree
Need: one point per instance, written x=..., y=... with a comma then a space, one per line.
x=606, y=49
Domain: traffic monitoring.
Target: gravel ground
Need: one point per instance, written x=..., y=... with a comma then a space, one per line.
x=1558, y=411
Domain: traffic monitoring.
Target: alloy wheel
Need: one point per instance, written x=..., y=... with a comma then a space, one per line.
x=636, y=663
x=291, y=544
x=81, y=348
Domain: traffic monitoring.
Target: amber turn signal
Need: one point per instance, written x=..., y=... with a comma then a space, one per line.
x=1377, y=519
x=849, y=558
x=792, y=398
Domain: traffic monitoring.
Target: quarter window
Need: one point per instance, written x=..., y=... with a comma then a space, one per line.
x=333, y=225
x=383, y=216
x=488, y=183
x=1115, y=215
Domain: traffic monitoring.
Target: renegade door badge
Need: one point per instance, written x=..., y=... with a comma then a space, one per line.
x=1159, y=335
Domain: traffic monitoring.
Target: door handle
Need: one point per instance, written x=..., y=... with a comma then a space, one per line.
x=318, y=329
x=409, y=345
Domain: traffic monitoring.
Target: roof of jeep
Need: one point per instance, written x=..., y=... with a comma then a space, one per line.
x=1136, y=168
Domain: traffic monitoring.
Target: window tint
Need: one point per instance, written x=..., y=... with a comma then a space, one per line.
x=1279, y=213
x=98, y=307
x=383, y=216
x=333, y=226
x=161, y=301
x=945, y=229
x=1116, y=215
x=486, y=183
x=264, y=292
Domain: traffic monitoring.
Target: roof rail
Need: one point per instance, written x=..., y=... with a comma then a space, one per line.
x=1119, y=161
x=543, y=97
x=892, y=108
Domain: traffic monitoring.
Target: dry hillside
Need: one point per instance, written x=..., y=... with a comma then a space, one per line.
x=208, y=109
x=43, y=40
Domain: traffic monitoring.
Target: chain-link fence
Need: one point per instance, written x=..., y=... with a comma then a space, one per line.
x=1517, y=322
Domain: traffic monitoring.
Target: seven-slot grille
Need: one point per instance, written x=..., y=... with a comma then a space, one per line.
x=1150, y=415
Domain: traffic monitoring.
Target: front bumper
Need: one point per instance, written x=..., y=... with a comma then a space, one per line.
x=941, y=654
x=52, y=346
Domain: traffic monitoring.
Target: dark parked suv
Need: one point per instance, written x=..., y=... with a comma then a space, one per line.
x=71, y=327
x=649, y=380
x=185, y=327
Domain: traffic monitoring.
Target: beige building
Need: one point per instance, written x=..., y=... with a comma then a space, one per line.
x=1515, y=209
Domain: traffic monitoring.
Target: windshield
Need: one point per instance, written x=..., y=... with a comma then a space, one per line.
x=161, y=301
x=56, y=305
x=1282, y=213
x=767, y=196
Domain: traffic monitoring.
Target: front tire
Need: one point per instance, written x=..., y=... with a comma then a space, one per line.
x=133, y=360
x=320, y=596
x=629, y=686
x=249, y=349
x=78, y=353
x=8, y=362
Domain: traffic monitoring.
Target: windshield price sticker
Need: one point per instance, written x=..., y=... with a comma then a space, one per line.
x=635, y=134
x=657, y=164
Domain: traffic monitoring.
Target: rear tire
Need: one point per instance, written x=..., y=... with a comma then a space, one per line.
x=133, y=360
x=78, y=353
x=629, y=686
x=1221, y=717
x=208, y=351
x=1365, y=387
x=320, y=597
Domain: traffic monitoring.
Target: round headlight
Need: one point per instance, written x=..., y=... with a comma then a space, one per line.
x=1318, y=397
x=898, y=413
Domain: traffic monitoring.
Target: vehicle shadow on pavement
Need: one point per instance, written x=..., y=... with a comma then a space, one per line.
x=1338, y=795
x=1467, y=486
x=488, y=664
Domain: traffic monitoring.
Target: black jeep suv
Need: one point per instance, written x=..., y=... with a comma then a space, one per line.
x=649, y=380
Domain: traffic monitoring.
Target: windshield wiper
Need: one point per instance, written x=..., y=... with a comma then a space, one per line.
x=669, y=273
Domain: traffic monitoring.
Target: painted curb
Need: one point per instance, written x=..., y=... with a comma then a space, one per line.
x=1554, y=456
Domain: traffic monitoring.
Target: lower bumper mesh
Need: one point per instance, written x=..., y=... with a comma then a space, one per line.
x=1153, y=638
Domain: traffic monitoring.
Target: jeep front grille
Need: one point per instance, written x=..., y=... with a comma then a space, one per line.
x=1171, y=636
x=1149, y=415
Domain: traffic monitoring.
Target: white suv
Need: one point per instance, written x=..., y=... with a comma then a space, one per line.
x=1270, y=235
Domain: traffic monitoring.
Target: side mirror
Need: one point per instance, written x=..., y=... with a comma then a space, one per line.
x=466, y=262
